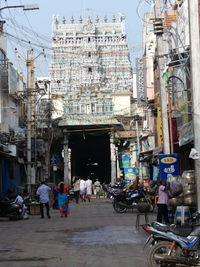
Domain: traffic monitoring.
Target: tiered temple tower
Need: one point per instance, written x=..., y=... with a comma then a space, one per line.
x=90, y=63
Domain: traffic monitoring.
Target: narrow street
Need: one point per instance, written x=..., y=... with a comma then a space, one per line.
x=92, y=236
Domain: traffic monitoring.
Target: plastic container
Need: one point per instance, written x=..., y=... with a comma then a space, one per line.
x=182, y=214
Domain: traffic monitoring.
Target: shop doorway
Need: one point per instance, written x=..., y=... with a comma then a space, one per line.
x=90, y=155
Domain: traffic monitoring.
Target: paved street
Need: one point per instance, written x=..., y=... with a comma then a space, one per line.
x=92, y=236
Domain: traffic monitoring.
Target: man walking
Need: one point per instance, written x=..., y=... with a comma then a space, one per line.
x=88, y=184
x=43, y=193
x=97, y=188
x=77, y=189
x=82, y=189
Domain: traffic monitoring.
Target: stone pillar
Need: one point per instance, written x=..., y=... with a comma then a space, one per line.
x=112, y=158
x=69, y=167
x=65, y=150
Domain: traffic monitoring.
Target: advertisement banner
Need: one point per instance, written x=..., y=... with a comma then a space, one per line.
x=130, y=173
x=169, y=166
x=124, y=160
x=159, y=127
x=141, y=78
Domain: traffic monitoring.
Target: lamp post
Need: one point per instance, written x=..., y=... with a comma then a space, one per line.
x=25, y=7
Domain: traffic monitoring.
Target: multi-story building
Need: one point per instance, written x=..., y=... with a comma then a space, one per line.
x=12, y=134
x=91, y=83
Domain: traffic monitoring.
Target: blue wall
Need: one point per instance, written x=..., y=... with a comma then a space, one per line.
x=10, y=173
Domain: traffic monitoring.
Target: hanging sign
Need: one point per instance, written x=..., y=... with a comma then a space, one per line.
x=141, y=78
x=169, y=166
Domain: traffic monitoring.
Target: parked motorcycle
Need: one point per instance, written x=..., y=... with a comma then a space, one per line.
x=111, y=190
x=8, y=208
x=127, y=199
x=172, y=245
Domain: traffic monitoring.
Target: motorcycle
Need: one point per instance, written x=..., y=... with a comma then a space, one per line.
x=172, y=245
x=128, y=199
x=111, y=190
x=8, y=208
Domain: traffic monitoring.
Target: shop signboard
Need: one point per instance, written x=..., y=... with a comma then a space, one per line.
x=53, y=160
x=141, y=78
x=130, y=173
x=169, y=166
x=124, y=160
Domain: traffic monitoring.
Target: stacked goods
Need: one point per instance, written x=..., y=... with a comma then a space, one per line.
x=34, y=208
x=175, y=192
x=182, y=214
x=189, y=186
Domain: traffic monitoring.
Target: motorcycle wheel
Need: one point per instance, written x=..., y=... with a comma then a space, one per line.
x=118, y=208
x=161, y=248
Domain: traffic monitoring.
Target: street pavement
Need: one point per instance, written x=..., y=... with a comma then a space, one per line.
x=93, y=235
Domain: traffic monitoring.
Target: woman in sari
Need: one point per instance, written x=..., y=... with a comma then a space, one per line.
x=63, y=202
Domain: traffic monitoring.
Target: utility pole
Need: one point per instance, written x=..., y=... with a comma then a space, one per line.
x=30, y=115
x=158, y=30
x=30, y=87
x=195, y=82
x=136, y=119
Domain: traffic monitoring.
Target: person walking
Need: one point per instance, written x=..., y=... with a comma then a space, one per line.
x=66, y=187
x=97, y=188
x=82, y=189
x=77, y=189
x=88, y=184
x=162, y=202
x=43, y=193
x=63, y=201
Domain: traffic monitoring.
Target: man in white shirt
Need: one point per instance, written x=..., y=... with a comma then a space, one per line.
x=43, y=193
x=82, y=189
x=20, y=202
x=97, y=188
x=88, y=188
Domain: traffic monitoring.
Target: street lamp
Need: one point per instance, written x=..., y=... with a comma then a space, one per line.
x=25, y=7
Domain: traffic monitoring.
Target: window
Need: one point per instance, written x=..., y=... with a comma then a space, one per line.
x=89, y=39
x=93, y=108
x=90, y=70
x=3, y=61
x=82, y=108
x=89, y=54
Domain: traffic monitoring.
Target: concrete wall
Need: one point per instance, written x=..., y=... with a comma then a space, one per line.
x=121, y=104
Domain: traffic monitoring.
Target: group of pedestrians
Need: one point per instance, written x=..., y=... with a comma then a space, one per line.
x=61, y=199
x=86, y=188
x=83, y=188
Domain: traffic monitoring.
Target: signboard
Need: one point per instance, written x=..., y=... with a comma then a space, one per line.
x=169, y=166
x=130, y=173
x=53, y=161
x=141, y=78
x=125, y=134
x=124, y=160
x=159, y=127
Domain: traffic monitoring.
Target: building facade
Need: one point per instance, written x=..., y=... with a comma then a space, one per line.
x=91, y=79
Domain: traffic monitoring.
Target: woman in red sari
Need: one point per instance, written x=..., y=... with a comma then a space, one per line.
x=63, y=201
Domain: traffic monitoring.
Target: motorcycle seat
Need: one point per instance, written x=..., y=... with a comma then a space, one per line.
x=178, y=230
